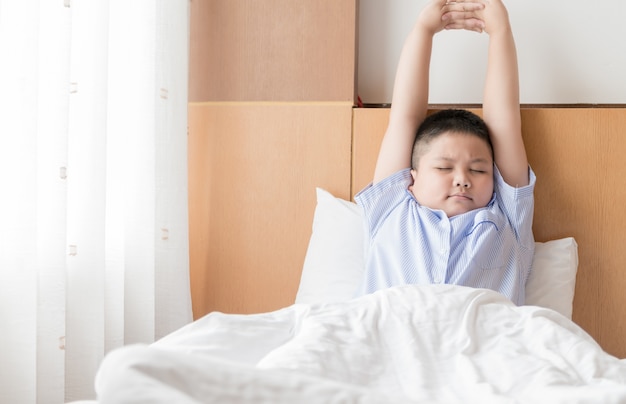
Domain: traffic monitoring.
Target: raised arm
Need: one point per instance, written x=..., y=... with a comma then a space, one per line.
x=410, y=93
x=501, y=106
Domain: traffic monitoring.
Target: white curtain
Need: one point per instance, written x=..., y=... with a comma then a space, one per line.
x=93, y=187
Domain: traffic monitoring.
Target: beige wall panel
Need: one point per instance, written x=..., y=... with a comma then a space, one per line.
x=369, y=125
x=253, y=169
x=273, y=50
x=578, y=156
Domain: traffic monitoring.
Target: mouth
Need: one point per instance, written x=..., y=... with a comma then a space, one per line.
x=462, y=197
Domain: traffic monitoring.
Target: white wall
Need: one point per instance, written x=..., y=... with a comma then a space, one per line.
x=569, y=51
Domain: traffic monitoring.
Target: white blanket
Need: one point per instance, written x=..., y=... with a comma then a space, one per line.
x=410, y=344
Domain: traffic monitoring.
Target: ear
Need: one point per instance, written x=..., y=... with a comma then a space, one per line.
x=413, y=174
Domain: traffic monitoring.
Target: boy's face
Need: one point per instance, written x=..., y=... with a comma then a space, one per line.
x=455, y=174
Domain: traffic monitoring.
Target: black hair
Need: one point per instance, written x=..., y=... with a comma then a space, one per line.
x=448, y=121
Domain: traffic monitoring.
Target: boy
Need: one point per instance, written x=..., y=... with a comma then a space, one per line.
x=462, y=213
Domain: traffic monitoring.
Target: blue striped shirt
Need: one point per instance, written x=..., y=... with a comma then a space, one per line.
x=406, y=243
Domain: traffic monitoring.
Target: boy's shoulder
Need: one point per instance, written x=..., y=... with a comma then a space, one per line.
x=400, y=177
x=505, y=190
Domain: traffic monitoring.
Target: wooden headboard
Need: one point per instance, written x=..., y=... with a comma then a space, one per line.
x=579, y=157
x=253, y=170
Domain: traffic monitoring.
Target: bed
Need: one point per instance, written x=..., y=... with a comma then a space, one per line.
x=424, y=344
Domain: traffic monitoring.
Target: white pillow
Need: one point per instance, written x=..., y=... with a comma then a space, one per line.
x=335, y=260
x=553, y=277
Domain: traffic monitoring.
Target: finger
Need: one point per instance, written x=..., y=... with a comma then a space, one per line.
x=451, y=16
x=465, y=1
x=472, y=24
x=462, y=6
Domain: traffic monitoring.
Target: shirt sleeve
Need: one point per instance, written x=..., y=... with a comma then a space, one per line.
x=379, y=199
x=518, y=204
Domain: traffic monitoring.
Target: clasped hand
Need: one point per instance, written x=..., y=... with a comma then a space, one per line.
x=471, y=15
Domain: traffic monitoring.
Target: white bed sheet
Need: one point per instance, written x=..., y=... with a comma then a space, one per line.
x=409, y=344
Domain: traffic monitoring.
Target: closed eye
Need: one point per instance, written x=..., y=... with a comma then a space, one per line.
x=478, y=171
x=443, y=168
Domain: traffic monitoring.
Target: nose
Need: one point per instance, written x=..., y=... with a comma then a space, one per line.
x=461, y=180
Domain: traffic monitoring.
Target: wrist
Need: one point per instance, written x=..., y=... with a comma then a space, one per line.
x=499, y=31
x=426, y=31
